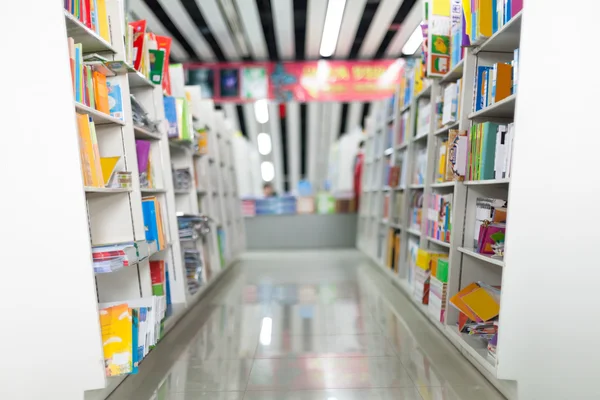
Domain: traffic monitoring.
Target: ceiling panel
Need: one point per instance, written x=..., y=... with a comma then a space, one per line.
x=284, y=28
x=386, y=12
x=188, y=29
x=275, y=131
x=314, y=27
x=248, y=13
x=410, y=23
x=216, y=22
x=312, y=135
x=352, y=16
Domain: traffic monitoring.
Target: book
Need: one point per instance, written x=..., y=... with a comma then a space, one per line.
x=171, y=116
x=113, y=257
x=115, y=323
x=485, y=208
x=501, y=82
x=457, y=153
x=115, y=100
x=488, y=150
x=110, y=167
x=157, y=275
x=139, y=40
x=156, y=66
x=481, y=87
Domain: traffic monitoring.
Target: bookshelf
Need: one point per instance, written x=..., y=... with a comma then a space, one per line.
x=465, y=264
x=76, y=217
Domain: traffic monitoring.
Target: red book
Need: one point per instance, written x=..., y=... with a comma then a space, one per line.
x=139, y=36
x=88, y=13
x=157, y=272
x=164, y=44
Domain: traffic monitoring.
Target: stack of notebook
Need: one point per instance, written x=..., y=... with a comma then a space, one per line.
x=113, y=257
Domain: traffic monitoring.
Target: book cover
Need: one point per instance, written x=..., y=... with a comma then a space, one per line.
x=171, y=116
x=143, y=154
x=139, y=39
x=150, y=219
x=457, y=155
x=484, y=19
x=503, y=81
x=96, y=166
x=156, y=66
x=117, y=341
x=78, y=73
x=72, y=63
x=488, y=150
x=101, y=93
x=164, y=44
x=157, y=275
x=480, y=89
x=135, y=326
x=515, y=7
x=115, y=100
x=85, y=149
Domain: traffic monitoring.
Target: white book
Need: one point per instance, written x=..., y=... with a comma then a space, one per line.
x=509, y=148
x=499, y=159
x=449, y=101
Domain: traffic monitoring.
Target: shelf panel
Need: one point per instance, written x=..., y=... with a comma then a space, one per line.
x=396, y=226
x=416, y=186
x=438, y=242
x=414, y=231
x=98, y=117
x=443, y=184
x=505, y=181
x=505, y=108
x=99, y=191
x=483, y=257
x=152, y=190
x=138, y=80
x=455, y=73
x=389, y=151
x=424, y=93
x=90, y=41
x=182, y=191
x=142, y=133
x=506, y=39
x=474, y=347
x=402, y=146
x=445, y=129
x=420, y=137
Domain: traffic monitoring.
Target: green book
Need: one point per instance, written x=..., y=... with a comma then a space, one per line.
x=488, y=150
x=157, y=60
x=442, y=270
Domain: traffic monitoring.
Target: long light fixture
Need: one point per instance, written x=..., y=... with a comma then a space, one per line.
x=331, y=30
x=267, y=171
x=261, y=111
x=413, y=42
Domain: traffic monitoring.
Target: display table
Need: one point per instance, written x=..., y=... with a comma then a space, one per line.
x=301, y=231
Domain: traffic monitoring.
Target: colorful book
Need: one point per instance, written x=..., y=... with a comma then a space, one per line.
x=100, y=97
x=117, y=340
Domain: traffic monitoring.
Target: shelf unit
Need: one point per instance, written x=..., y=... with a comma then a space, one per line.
x=465, y=265
x=74, y=218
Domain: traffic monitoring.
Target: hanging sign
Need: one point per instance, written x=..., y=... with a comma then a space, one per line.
x=297, y=81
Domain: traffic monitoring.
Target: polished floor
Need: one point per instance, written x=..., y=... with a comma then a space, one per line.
x=306, y=326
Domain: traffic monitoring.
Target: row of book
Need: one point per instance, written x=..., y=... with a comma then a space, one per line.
x=98, y=171
x=482, y=154
x=392, y=174
x=179, y=118
x=412, y=81
x=130, y=329
x=447, y=105
x=439, y=216
x=478, y=305
x=420, y=171
x=416, y=210
x=90, y=86
x=496, y=82
x=91, y=13
x=483, y=18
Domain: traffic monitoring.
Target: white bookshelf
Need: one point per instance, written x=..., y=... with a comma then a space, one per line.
x=465, y=265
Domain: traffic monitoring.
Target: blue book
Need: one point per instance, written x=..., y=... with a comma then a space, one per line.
x=171, y=116
x=507, y=10
x=488, y=150
x=115, y=100
x=495, y=16
x=480, y=97
x=150, y=224
x=78, y=74
x=135, y=327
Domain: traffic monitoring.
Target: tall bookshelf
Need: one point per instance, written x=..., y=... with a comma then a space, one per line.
x=65, y=292
x=465, y=265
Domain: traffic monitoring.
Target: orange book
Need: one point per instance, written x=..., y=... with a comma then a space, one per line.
x=159, y=222
x=101, y=92
x=97, y=164
x=503, y=77
x=86, y=150
x=458, y=302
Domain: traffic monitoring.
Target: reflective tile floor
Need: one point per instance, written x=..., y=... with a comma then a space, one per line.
x=308, y=326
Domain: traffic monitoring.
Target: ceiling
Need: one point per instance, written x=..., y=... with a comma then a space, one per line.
x=259, y=30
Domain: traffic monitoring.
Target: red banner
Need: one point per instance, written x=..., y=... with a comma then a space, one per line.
x=297, y=81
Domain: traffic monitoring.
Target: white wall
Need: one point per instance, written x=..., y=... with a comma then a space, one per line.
x=550, y=303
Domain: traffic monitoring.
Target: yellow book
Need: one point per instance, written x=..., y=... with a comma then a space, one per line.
x=96, y=165
x=441, y=8
x=108, y=165
x=86, y=150
x=397, y=252
x=442, y=162
x=484, y=19
x=426, y=257
x=418, y=87
x=482, y=304
x=117, y=340
x=103, y=20
x=466, y=4
x=159, y=222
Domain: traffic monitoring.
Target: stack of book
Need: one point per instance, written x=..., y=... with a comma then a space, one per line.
x=490, y=151
x=130, y=329
x=158, y=277
x=490, y=226
x=426, y=264
x=439, y=216
x=397, y=208
x=447, y=105
x=113, y=257
x=479, y=308
x=482, y=19
x=92, y=14
x=182, y=179
x=438, y=289
x=194, y=270
x=393, y=249
x=153, y=222
x=88, y=79
x=179, y=118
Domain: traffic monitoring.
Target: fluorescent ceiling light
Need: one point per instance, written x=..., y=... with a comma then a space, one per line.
x=267, y=170
x=413, y=42
x=331, y=30
x=261, y=111
x=264, y=143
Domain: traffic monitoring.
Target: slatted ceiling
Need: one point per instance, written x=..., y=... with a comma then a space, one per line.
x=314, y=27
x=300, y=17
x=277, y=156
x=323, y=143
x=380, y=24
x=363, y=27
x=403, y=11
x=354, y=115
x=188, y=29
x=284, y=153
x=284, y=28
x=293, y=128
x=303, y=141
x=344, y=118
x=410, y=22
x=155, y=25
x=352, y=16
x=241, y=120
x=253, y=29
x=216, y=22
x=196, y=15
x=334, y=122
